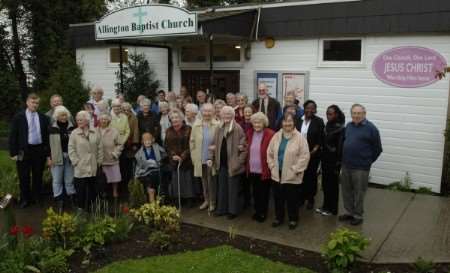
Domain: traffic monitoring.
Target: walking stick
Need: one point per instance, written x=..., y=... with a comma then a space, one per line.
x=179, y=191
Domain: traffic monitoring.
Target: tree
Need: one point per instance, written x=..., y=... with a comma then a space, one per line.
x=138, y=78
x=67, y=81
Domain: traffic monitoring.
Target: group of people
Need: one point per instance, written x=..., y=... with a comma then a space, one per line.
x=226, y=154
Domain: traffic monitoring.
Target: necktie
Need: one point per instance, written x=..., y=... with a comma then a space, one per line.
x=263, y=106
x=33, y=130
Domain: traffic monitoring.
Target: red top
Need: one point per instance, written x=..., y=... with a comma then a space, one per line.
x=267, y=136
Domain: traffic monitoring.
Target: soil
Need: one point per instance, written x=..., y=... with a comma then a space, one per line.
x=196, y=238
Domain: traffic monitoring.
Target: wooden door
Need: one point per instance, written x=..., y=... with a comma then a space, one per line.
x=223, y=81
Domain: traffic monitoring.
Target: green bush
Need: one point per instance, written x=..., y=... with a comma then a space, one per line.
x=138, y=78
x=54, y=261
x=9, y=181
x=157, y=216
x=9, y=94
x=59, y=229
x=95, y=233
x=137, y=195
x=160, y=239
x=423, y=266
x=343, y=248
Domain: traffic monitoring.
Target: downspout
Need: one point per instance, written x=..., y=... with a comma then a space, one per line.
x=121, y=66
x=211, y=68
x=257, y=23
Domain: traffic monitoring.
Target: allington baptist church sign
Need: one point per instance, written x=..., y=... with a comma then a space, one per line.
x=146, y=21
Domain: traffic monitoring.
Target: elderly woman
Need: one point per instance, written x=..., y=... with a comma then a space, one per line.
x=203, y=132
x=119, y=121
x=112, y=149
x=242, y=101
x=287, y=158
x=131, y=145
x=59, y=162
x=312, y=128
x=231, y=99
x=172, y=99
x=177, y=147
x=258, y=172
x=228, y=154
x=85, y=150
x=246, y=123
x=191, y=112
x=218, y=105
x=148, y=121
x=164, y=120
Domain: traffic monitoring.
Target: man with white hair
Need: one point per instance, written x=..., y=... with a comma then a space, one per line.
x=268, y=105
x=362, y=147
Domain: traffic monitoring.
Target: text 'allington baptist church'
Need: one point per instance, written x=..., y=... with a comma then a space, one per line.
x=149, y=25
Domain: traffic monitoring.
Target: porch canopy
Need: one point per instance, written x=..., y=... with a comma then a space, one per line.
x=163, y=25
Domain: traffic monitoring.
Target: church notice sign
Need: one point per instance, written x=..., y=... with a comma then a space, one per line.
x=146, y=21
x=408, y=66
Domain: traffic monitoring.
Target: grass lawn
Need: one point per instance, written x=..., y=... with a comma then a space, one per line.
x=5, y=161
x=223, y=259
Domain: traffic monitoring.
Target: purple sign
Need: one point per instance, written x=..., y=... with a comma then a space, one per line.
x=408, y=66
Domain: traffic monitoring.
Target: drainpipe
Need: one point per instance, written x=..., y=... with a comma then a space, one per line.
x=121, y=67
x=211, y=59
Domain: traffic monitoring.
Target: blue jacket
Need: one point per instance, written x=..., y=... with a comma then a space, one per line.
x=362, y=145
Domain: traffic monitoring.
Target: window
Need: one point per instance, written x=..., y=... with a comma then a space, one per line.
x=341, y=52
x=227, y=53
x=114, y=55
x=193, y=54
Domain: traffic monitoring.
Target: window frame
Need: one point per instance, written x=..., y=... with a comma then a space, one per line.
x=109, y=63
x=323, y=63
x=205, y=65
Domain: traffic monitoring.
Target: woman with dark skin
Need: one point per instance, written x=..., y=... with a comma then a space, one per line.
x=312, y=128
x=331, y=160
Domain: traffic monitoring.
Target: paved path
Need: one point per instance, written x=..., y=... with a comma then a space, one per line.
x=401, y=226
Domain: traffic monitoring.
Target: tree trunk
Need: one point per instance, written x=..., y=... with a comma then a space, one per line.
x=18, y=67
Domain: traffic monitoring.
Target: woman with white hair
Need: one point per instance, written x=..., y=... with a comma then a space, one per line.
x=86, y=153
x=60, y=166
x=148, y=121
x=112, y=150
x=164, y=120
x=228, y=155
x=191, y=112
x=177, y=147
x=203, y=132
x=258, y=172
x=218, y=105
x=242, y=101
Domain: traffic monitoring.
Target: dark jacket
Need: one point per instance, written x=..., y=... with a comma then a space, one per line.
x=55, y=141
x=333, y=142
x=177, y=143
x=149, y=123
x=362, y=145
x=315, y=134
x=273, y=111
x=267, y=136
x=18, y=136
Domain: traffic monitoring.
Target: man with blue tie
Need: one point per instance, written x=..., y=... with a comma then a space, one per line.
x=29, y=147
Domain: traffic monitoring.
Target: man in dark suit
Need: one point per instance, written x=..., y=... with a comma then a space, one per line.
x=268, y=105
x=29, y=147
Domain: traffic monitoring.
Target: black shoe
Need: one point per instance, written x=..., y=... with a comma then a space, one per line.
x=24, y=204
x=219, y=214
x=356, y=221
x=277, y=223
x=292, y=225
x=231, y=216
x=345, y=217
